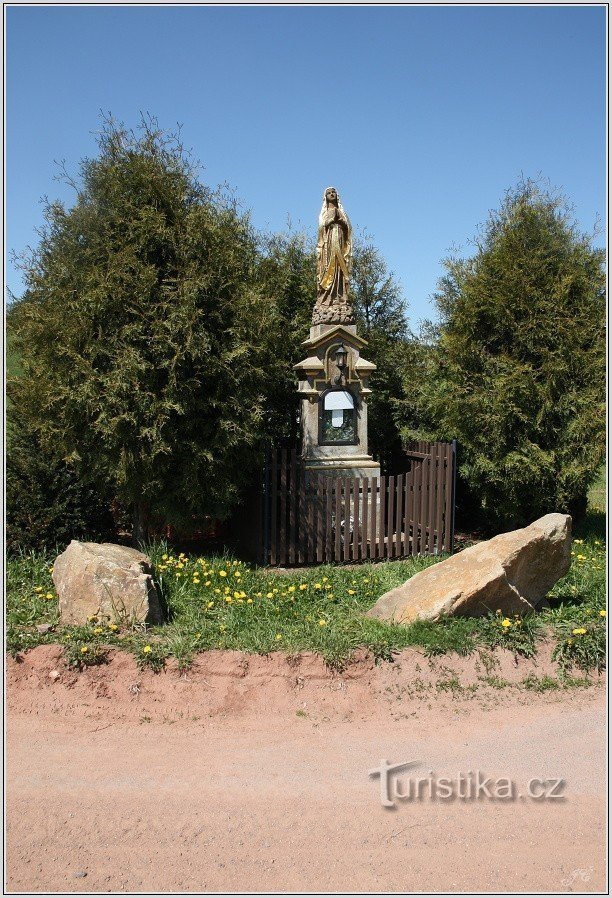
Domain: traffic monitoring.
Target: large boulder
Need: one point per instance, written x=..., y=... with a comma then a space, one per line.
x=105, y=580
x=511, y=572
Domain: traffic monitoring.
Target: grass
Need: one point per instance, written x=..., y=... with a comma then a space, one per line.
x=220, y=602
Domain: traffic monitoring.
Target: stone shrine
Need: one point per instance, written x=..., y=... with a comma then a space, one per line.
x=334, y=377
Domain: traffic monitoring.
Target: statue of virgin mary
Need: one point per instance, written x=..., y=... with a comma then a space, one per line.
x=334, y=246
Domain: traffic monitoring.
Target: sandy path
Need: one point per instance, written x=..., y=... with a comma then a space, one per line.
x=181, y=786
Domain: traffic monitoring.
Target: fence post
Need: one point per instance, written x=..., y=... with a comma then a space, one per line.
x=265, y=548
x=453, y=491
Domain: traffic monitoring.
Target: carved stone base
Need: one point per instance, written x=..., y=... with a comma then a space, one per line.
x=333, y=313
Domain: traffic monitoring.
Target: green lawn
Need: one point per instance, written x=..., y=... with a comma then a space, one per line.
x=219, y=602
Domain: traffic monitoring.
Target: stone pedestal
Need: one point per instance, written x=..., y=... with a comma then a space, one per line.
x=319, y=376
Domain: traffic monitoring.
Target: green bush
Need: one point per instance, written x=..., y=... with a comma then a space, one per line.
x=49, y=501
x=515, y=371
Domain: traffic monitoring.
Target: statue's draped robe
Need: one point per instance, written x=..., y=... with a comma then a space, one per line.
x=333, y=266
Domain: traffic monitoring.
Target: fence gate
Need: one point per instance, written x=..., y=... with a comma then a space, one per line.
x=310, y=518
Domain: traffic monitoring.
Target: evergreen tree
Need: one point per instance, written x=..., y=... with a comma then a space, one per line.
x=142, y=332
x=517, y=370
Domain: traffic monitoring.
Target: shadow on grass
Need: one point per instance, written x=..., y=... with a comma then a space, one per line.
x=592, y=526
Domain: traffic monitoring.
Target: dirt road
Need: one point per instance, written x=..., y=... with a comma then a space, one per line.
x=252, y=775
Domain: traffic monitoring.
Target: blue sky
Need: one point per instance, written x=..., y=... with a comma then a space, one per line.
x=422, y=117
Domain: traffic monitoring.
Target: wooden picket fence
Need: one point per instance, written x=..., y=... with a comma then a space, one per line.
x=311, y=518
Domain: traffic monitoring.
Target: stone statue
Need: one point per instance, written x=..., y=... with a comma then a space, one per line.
x=333, y=263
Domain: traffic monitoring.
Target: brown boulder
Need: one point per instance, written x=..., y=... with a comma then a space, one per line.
x=105, y=580
x=511, y=572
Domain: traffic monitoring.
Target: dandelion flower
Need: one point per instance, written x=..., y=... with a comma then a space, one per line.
x=38, y=589
x=84, y=649
x=291, y=589
x=317, y=586
x=324, y=579
x=147, y=649
x=249, y=601
x=223, y=573
x=579, y=631
x=351, y=592
x=322, y=623
x=506, y=623
x=269, y=595
x=113, y=627
x=602, y=613
x=278, y=636
x=98, y=630
x=164, y=557
x=303, y=586
x=210, y=604
x=237, y=595
x=49, y=595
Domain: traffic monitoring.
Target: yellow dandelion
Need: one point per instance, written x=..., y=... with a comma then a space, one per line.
x=223, y=573
x=38, y=589
x=113, y=627
x=210, y=604
x=237, y=574
x=303, y=586
x=602, y=613
x=317, y=586
x=222, y=627
x=207, y=583
x=322, y=623
x=49, y=595
x=147, y=649
x=249, y=601
x=351, y=592
x=278, y=636
x=269, y=595
x=98, y=630
x=579, y=631
x=165, y=557
x=237, y=595
x=506, y=623
x=84, y=649
x=324, y=579
x=291, y=589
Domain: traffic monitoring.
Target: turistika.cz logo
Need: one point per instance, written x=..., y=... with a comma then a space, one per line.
x=471, y=786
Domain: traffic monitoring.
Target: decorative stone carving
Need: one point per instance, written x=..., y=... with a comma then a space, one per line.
x=334, y=249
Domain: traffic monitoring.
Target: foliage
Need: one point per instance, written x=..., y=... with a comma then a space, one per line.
x=50, y=500
x=514, y=633
x=380, y=308
x=219, y=602
x=583, y=647
x=142, y=332
x=516, y=371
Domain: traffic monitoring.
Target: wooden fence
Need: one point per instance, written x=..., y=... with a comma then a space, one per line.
x=311, y=518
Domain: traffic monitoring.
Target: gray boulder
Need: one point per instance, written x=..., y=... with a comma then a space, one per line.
x=511, y=572
x=107, y=581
